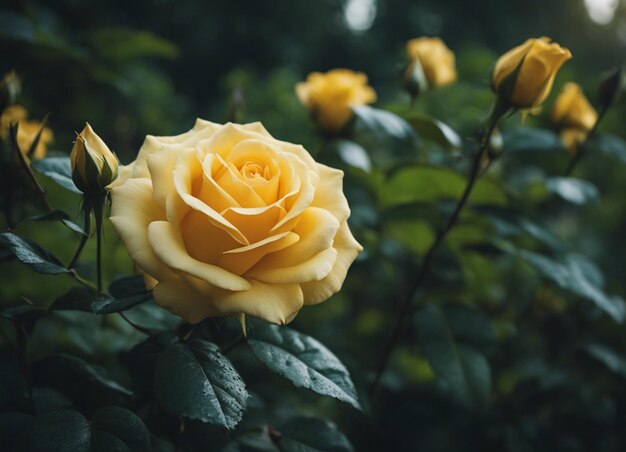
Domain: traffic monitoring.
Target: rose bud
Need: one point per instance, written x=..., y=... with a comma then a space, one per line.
x=524, y=75
x=572, y=109
x=436, y=59
x=94, y=166
x=26, y=132
x=331, y=96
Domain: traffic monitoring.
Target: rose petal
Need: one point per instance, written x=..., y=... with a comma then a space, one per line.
x=317, y=229
x=276, y=303
x=240, y=260
x=347, y=250
x=178, y=297
x=186, y=170
x=133, y=209
x=255, y=223
x=169, y=247
x=329, y=193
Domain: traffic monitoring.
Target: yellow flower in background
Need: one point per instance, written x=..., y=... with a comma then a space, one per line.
x=94, y=166
x=524, y=75
x=572, y=138
x=331, y=96
x=26, y=132
x=572, y=109
x=227, y=220
x=437, y=60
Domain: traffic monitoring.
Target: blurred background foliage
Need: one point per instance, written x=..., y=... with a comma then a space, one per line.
x=555, y=354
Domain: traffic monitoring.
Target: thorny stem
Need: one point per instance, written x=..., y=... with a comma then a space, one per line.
x=405, y=307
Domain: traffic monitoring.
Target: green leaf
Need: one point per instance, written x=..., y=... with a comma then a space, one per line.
x=16, y=26
x=33, y=255
x=59, y=215
x=434, y=130
x=112, y=428
x=23, y=313
x=59, y=170
x=302, y=360
x=531, y=139
x=608, y=144
x=195, y=380
x=142, y=358
x=428, y=184
x=85, y=385
x=353, y=154
x=111, y=305
x=461, y=371
x=125, y=44
x=312, y=434
x=415, y=235
x=608, y=357
x=470, y=326
x=578, y=275
x=382, y=123
x=128, y=292
x=576, y=191
x=77, y=299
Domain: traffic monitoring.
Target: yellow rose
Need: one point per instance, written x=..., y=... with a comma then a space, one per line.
x=572, y=138
x=572, y=109
x=26, y=131
x=94, y=166
x=533, y=65
x=331, y=96
x=226, y=219
x=436, y=58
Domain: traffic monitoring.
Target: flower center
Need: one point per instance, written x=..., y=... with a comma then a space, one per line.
x=253, y=170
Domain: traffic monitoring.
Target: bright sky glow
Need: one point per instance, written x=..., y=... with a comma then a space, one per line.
x=601, y=11
x=359, y=14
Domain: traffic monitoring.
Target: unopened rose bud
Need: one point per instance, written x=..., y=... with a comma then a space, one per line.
x=612, y=88
x=94, y=166
x=523, y=76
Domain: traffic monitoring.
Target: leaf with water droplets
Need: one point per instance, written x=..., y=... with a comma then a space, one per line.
x=33, y=255
x=303, y=360
x=195, y=380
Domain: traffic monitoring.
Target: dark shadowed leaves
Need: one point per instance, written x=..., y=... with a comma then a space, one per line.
x=33, y=255
x=59, y=170
x=111, y=428
x=576, y=191
x=461, y=370
x=427, y=184
x=434, y=130
x=195, y=380
x=303, y=360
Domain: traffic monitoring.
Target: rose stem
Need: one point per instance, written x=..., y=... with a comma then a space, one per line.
x=583, y=147
x=423, y=272
x=84, y=238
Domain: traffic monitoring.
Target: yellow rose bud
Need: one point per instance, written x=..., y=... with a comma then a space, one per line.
x=572, y=138
x=227, y=220
x=436, y=59
x=524, y=75
x=26, y=132
x=331, y=96
x=94, y=166
x=572, y=109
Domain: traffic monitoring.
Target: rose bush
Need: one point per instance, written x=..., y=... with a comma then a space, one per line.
x=226, y=219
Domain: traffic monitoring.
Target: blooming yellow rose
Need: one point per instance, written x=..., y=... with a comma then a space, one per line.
x=226, y=219
x=26, y=131
x=94, y=166
x=572, y=109
x=331, y=96
x=436, y=58
x=534, y=65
